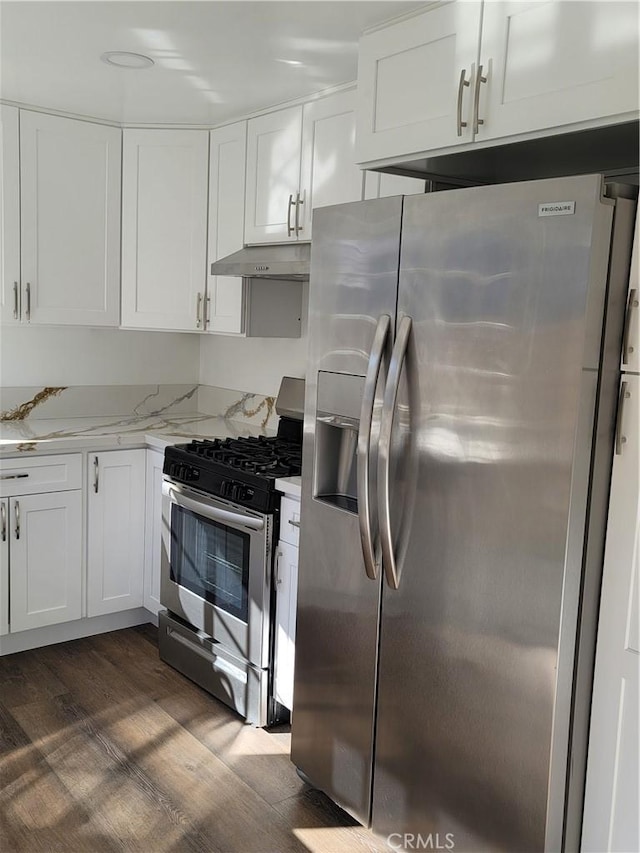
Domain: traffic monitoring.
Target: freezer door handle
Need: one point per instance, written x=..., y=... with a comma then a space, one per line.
x=384, y=451
x=364, y=444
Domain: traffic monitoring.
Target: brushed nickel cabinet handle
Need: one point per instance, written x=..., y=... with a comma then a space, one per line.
x=17, y=511
x=477, y=121
x=13, y=476
x=463, y=82
x=16, y=303
x=289, y=206
x=207, y=311
x=96, y=474
x=294, y=523
x=632, y=303
x=3, y=515
x=299, y=201
x=28, y=311
x=199, y=311
x=620, y=438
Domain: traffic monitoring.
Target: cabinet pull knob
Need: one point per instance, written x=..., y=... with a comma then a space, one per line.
x=291, y=204
x=16, y=303
x=28, y=311
x=620, y=438
x=299, y=201
x=463, y=82
x=632, y=303
x=96, y=474
x=199, y=311
x=17, y=511
x=477, y=121
x=3, y=515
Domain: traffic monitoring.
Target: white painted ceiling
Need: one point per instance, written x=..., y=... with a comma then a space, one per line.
x=214, y=61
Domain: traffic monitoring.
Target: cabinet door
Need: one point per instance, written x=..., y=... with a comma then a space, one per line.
x=273, y=176
x=631, y=338
x=550, y=64
x=382, y=185
x=409, y=77
x=227, y=162
x=115, y=551
x=285, y=634
x=612, y=793
x=164, y=228
x=70, y=215
x=153, y=531
x=46, y=559
x=4, y=566
x=9, y=216
x=329, y=174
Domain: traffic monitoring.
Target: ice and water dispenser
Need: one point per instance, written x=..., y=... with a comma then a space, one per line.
x=336, y=445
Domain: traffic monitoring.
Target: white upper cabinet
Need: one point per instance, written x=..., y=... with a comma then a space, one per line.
x=70, y=221
x=631, y=336
x=299, y=159
x=10, y=291
x=227, y=161
x=382, y=185
x=467, y=72
x=414, y=82
x=164, y=228
x=274, y=146
x=329, y=174
x=555, y=63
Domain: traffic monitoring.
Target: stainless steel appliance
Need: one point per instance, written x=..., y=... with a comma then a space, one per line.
x=220, y=526
x=461, y=397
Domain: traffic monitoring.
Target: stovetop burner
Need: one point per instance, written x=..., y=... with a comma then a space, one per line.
x=243, y=470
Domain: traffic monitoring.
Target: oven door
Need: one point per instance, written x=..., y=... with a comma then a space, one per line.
x=216, y=569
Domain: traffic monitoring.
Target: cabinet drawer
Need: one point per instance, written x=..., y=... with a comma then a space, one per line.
x=46, y=474
x=290, y=521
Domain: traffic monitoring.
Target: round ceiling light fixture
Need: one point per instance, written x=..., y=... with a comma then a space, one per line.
x=126, y=59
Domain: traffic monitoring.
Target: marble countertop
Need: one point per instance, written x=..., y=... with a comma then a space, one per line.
x=290, y=486
x=57, y=435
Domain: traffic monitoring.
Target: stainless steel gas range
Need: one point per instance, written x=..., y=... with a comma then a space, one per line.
x=220, y=526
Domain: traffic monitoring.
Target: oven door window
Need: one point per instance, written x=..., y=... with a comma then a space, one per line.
x=211, y=560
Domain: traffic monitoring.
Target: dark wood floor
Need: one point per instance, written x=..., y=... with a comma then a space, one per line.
x=105, y=748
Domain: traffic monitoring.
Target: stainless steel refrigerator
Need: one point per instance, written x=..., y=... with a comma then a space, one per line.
x=459, y=426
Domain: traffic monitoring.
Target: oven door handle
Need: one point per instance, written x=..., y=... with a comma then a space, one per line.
x=215, y=514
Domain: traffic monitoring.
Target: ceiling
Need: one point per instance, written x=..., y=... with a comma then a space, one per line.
x=214, y=61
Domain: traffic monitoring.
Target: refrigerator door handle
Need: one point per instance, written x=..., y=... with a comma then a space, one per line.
x=384, y=451
x=364, y=444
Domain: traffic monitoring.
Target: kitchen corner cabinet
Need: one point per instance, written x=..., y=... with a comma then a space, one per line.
x=115, y=531
x=164, y=228
x=70, y=221
x=286, y=600
x=225, y=297
x=298, y=159
x=40, y=542
x=468, y=72
x=153, y=531
x=10, y=282
x=611, y=819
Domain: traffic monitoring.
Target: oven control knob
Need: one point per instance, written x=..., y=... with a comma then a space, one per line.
x=225, y=488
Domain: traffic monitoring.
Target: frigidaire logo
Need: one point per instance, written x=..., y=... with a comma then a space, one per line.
x=432, y=841
x=261, y=268
x=557, y=208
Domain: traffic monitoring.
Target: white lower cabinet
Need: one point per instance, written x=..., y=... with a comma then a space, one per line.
x=286, y=600
x=115, y=534
x=611, y=819
x=45, y=558
x=153, y=531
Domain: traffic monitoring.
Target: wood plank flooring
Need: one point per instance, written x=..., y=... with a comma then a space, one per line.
x=103, y=747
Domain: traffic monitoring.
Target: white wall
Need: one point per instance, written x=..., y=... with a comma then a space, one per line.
x=254, y=364
x=55, y=355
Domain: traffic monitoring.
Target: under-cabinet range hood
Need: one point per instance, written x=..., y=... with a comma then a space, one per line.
x=288, y=261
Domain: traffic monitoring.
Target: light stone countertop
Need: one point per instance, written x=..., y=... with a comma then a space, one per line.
x=58, y=435
x=290, y=486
